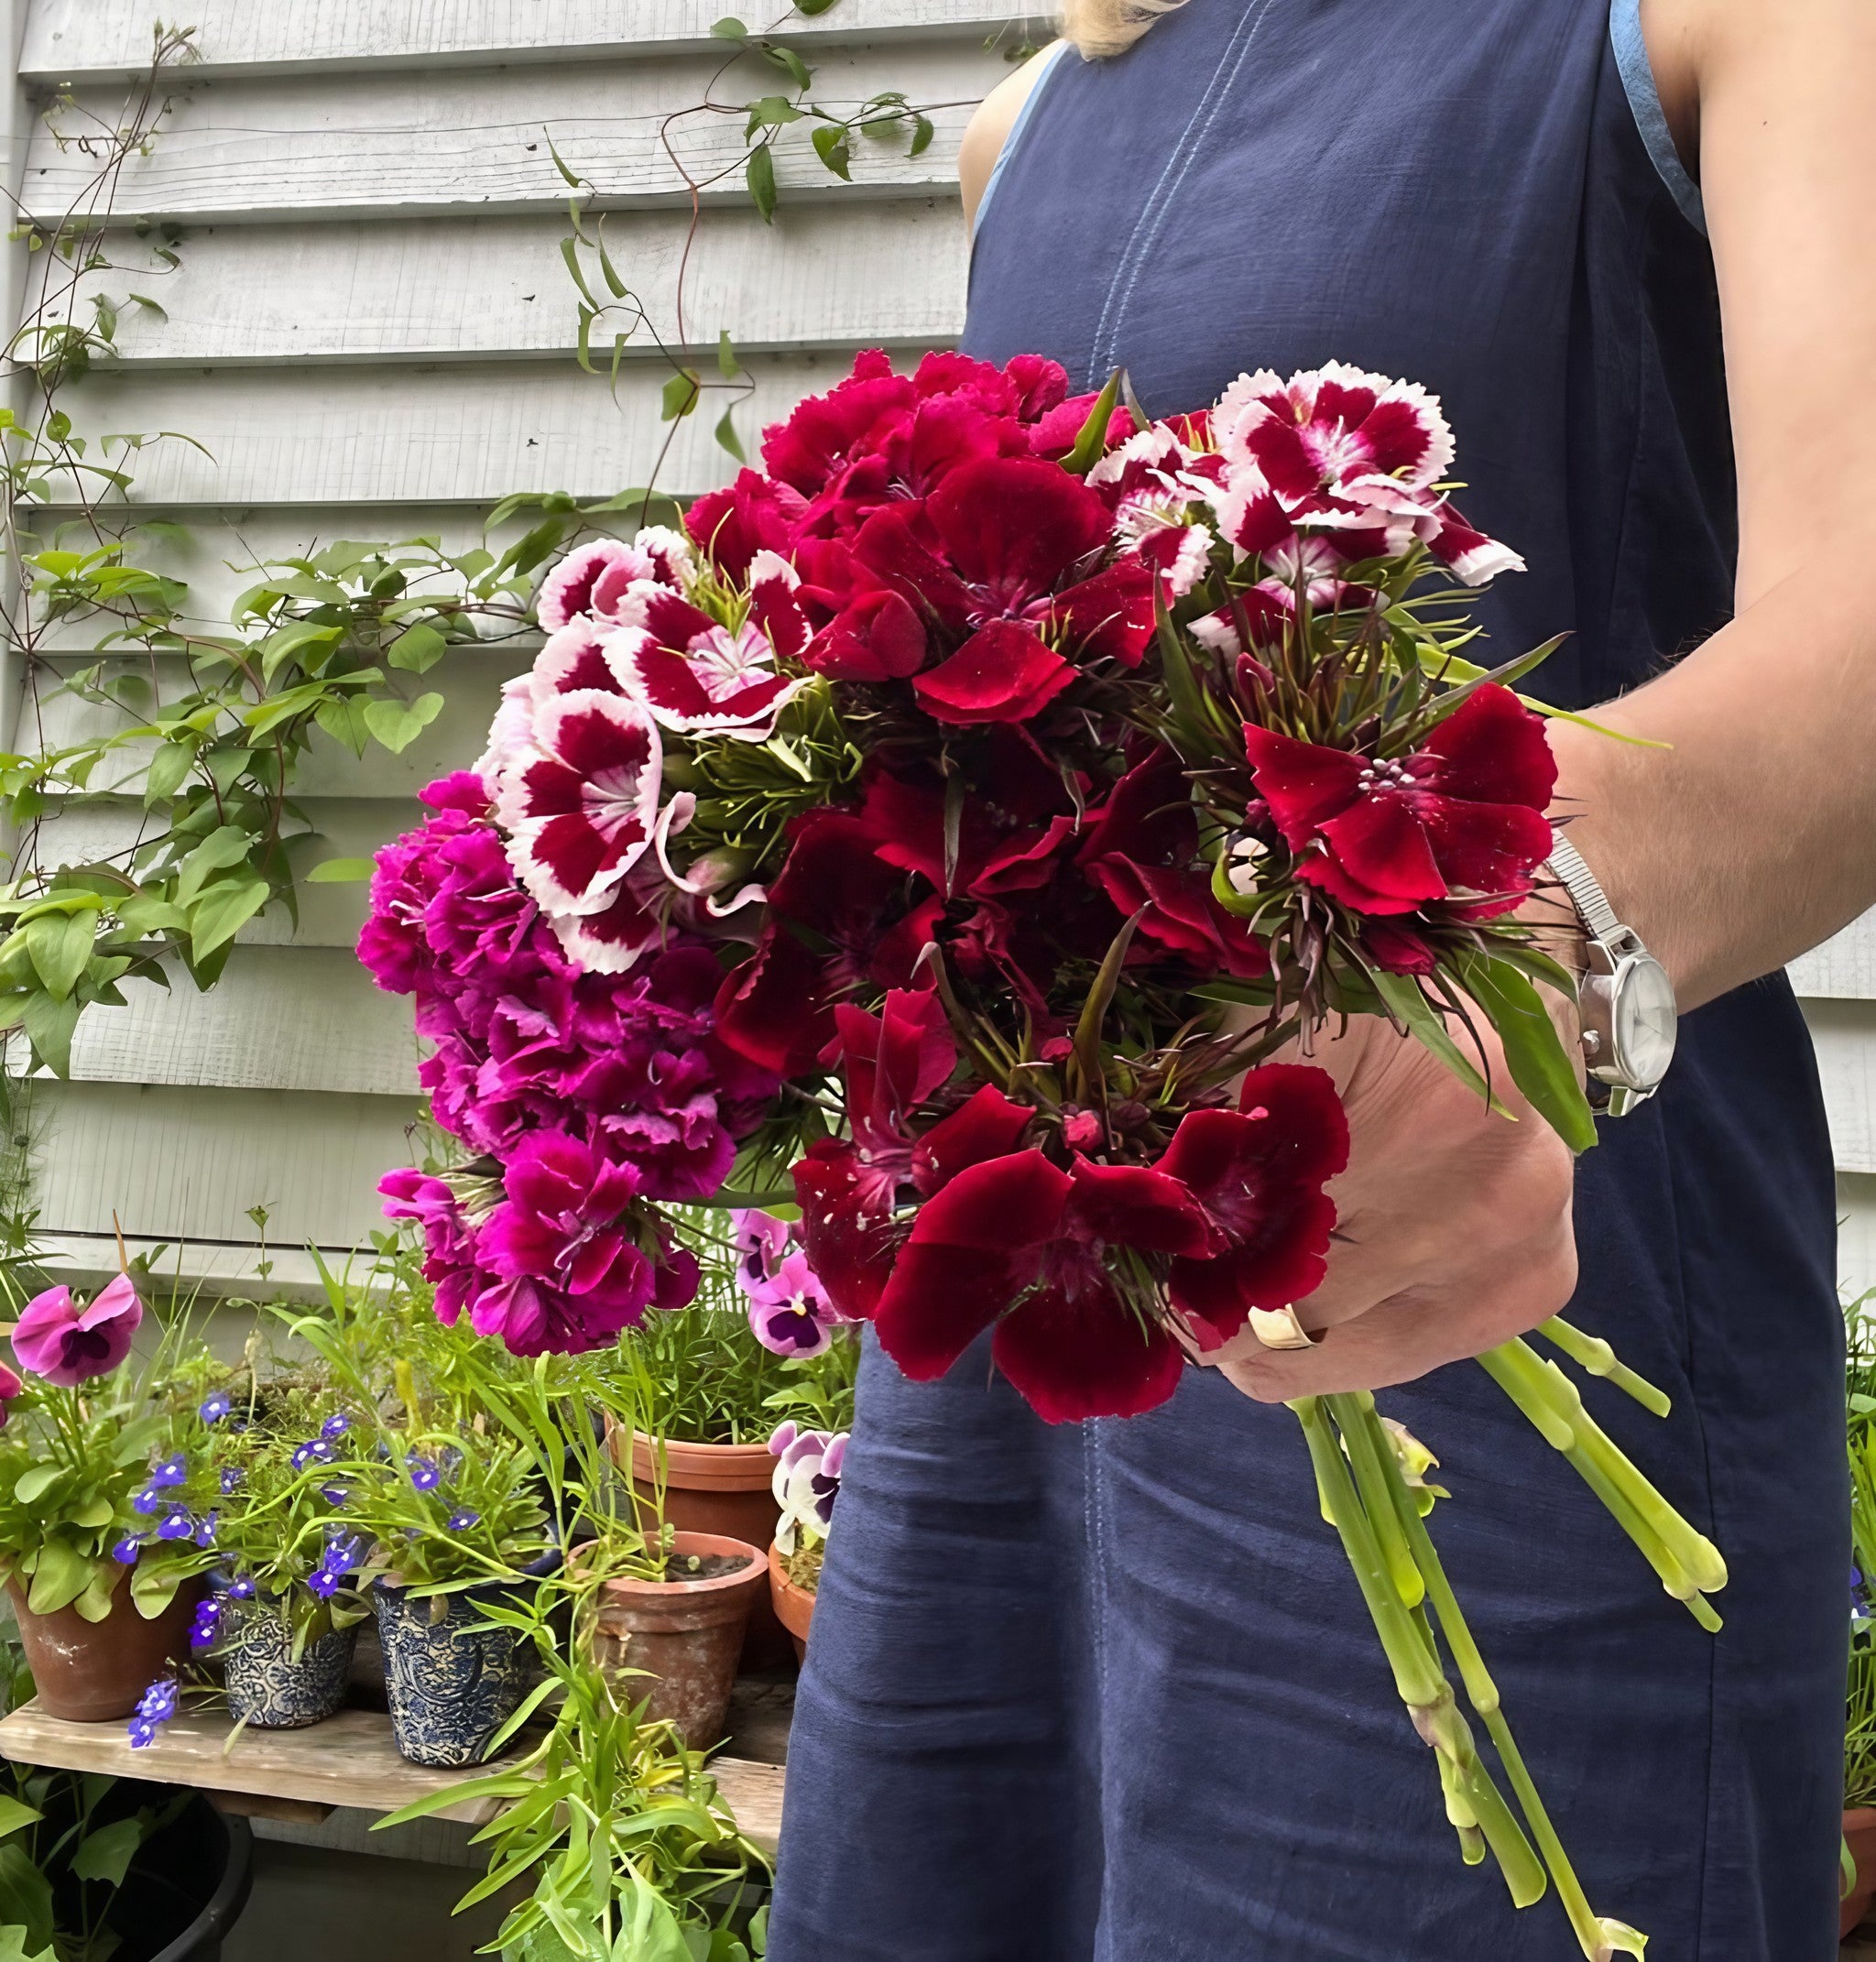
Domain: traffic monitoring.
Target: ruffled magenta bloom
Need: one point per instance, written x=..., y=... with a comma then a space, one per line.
x=10, y=1386
x=67, y=1345
x=1460, y=819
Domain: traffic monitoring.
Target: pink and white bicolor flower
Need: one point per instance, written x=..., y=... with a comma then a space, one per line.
x=580, y=800
x=1331, y=426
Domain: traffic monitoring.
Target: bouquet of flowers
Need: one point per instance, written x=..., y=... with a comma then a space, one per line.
x=963, y=827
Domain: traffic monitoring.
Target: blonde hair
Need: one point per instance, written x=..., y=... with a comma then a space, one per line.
x=1110, y=27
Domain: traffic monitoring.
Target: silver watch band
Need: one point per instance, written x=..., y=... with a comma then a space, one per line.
x=1590, y=901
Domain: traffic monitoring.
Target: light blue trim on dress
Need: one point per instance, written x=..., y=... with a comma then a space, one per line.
x=1052, y=56
x=1644, y=99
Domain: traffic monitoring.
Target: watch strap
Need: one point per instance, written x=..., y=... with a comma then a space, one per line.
x=1586, y=894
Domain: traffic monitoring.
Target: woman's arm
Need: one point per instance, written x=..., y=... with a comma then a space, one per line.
x=1754, y=835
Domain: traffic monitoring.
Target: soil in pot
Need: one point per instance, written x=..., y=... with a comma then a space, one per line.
x=794, y=1605
x=1860, y=1833
x=716, y=1489
x=686, y=1632
x=450, y=1683
x=95, y=1672
x=266, y=1684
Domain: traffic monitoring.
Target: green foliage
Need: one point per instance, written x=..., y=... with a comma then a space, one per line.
x=1860, y=1400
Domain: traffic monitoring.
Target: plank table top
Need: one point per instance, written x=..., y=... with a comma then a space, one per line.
x=348, y=1759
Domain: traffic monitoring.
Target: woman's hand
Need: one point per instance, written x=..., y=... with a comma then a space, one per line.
x=1455, y=1228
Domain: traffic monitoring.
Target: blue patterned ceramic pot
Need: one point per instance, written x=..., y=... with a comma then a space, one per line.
x=453, y=1681
x=266, y=1686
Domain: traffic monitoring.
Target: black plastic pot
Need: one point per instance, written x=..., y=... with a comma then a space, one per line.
x=186, y=1887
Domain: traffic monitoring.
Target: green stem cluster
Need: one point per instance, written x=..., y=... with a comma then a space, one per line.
x=1366, y=1496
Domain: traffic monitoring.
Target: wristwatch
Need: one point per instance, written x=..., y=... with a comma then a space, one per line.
x=1626, y=1001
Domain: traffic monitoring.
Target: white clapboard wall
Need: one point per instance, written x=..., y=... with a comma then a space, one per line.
x=371, y=335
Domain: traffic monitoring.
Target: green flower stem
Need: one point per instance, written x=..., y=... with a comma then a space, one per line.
x=1482, y=1692
x=1593, y=1354
x=1549, y=1398
x=1473, y=1802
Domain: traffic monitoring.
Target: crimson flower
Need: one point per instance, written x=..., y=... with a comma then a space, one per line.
x=1461, y=818
x=1018, y=1244
x=1234, y=1216
x=754, y=514
x=1258, y=1171
x=849, y=1189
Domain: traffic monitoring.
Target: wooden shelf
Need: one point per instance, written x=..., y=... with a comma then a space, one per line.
x=349, y=1760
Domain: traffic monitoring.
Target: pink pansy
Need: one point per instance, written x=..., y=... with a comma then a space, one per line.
x=761, y=1242
x=789, y=1312
x=580, y=802
x=1331, y=425
x=567, y=591
x=67, y=1345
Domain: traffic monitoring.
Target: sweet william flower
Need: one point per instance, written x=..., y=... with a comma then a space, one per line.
x=67, y=1345
x=1019, y=1245
x=1461, y=818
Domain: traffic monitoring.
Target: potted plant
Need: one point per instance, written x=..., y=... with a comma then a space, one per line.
x=456, y=1526
x=283, y=1611
x=761, y=1342
x=807, y=1468
x=106, y=1514
x=615, y=1820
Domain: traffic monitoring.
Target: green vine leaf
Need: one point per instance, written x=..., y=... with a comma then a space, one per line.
x=221, y=914
x=397, y=724
x=759, y=173
x=340, y=871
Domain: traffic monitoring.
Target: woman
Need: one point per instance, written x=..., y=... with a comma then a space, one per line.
x=1109, y=1692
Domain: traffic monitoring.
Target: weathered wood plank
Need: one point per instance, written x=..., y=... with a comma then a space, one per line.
x=1843, y=969
x=825, y=275
x=81, y=40
x=248, y=150
x=395, y=435
x=280, y=1019
x=185, y=1164
x=349, y=1760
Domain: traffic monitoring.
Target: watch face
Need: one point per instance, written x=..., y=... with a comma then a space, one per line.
x=1643, y=1021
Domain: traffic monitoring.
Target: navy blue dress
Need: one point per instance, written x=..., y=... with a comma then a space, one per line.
x=1107, y=1693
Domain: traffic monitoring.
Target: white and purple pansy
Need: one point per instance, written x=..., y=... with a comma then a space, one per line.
x=806, y=1482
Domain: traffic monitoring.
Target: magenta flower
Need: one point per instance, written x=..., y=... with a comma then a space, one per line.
x=790, y=1311
x=66, y=1345
x=10, y=1386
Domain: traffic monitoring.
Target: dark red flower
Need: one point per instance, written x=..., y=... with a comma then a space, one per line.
x=839, y=918
x=1019, y=1244
x=1461, y=818
x=1178, y=912
x=849, y=1189
x=1258, y=1171
x=754, y=514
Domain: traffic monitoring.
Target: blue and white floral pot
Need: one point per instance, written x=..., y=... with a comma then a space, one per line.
x=267, y=1686
x=450, y=1683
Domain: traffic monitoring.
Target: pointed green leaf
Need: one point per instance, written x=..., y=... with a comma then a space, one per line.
x=727, y=438
x=1091, y=444
x=727, y=365
x=340, y=871
x=1534, y=1051
x=222, y=912
x=416, y=649
x=14, y=1813
x=106, y=1854
x=396, y=725
x=169, y=768
x=759, y=175
x=831, y=145
x=50, y=1025
x=59, y=945
x=1401, y=993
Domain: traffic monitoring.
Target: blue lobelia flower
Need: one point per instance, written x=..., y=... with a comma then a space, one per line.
x=207, y=1623
x=148, y=1500
x=463, y=1518
x=169, y=1471
x=425, y=1474
x=314, y=1451
x=336, y=1427
x=158, y=1705
x=178, y=1523
x=232, y=1480
x=205, y=1532
x=241, y=1588
x=126, y=1550
x=216, y=1407
x=335, y=1495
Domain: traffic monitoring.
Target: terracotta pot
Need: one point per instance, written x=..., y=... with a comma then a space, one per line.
x=95, y=1672
x=686, y=1633
x=719, y=1489
x=794, y=1606
x=1859, y=1831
